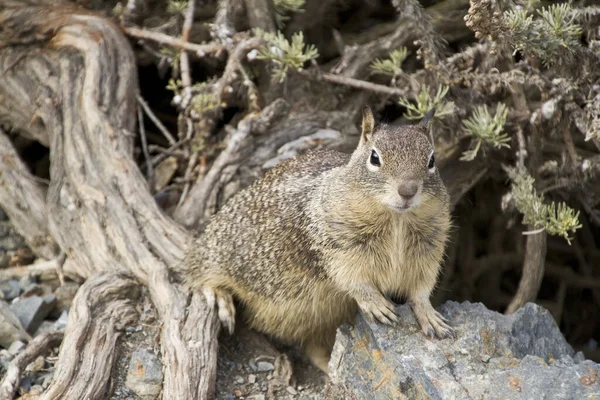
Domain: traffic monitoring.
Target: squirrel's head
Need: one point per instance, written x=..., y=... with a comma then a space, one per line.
x=396, y=164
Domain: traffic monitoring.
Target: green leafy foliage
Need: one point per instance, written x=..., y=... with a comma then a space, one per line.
x=176, y=6
x=285, y=54
x=554, y=219
x=285, y=7
x=203, y=98
x=552, y=36
x=391, y=66
x=425, y=102
x=204, y=102
x=174, y=85
x=486, y=128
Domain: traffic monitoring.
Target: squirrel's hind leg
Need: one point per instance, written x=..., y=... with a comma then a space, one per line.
x=319, y=349
x=225, y=306
x=319, y=355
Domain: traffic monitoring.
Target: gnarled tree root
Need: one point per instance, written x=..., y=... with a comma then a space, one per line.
x=102, y=307
x=73, y=87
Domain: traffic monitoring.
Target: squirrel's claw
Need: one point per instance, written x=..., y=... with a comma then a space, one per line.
x=432, y=322
x=382, y=311
x=225, y=306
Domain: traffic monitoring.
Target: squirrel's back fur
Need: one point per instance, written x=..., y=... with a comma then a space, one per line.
x=321, y=234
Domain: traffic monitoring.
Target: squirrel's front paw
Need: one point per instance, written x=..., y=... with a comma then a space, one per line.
x=381, y=310
x=432, y=322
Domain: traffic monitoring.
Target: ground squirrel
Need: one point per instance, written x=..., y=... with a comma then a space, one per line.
x=326, y=233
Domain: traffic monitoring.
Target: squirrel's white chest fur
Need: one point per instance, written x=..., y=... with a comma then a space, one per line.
x=395, y=272
x=382, y=263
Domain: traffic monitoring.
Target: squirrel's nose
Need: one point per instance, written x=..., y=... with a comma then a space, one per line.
x=407, y=190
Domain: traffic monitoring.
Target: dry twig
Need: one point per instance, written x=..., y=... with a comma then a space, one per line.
x=201, y=50
x=149, y=169
x=36, y=347
x=536, y=247
x=156, y=121
x=357, y=83
x=184, y=61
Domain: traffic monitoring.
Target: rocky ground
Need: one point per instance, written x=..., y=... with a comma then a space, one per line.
x=521, y=356
x=493, y=356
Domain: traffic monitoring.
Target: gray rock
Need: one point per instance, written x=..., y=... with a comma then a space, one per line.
x=291, y=390
x=144, y=376
x=31, y=311
x=10, y=289
x=5, y=229
x=11, y=328
x=4, y=359
x=61, y=322
x=16, y=347
x=45, y=326
x=26, y=283
x=10, y=240
x=251, y=378
x=65, y=294
x=4, y=258
x=518, y=356
x=264, y=366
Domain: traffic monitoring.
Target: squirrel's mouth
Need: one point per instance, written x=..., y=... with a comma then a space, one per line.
x=402, y=208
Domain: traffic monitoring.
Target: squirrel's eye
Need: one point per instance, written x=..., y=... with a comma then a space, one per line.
x=375, y=158
x=431, y=164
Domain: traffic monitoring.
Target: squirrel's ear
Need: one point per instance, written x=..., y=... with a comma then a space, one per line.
x=428, y=117
x=368, y=123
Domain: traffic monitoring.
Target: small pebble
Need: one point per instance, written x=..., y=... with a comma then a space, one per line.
x=4, y=259
x=291, y=390
x=61, y=322
x=239, y=379
x=264, y=366
x=251, y=378
x=10, y=289
x=26, y=282
x=258, y=397
x=36, y=365
x=16, y=347
x=47, y=380
x=36, y=390
x=485, y=358
x=464, y=352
